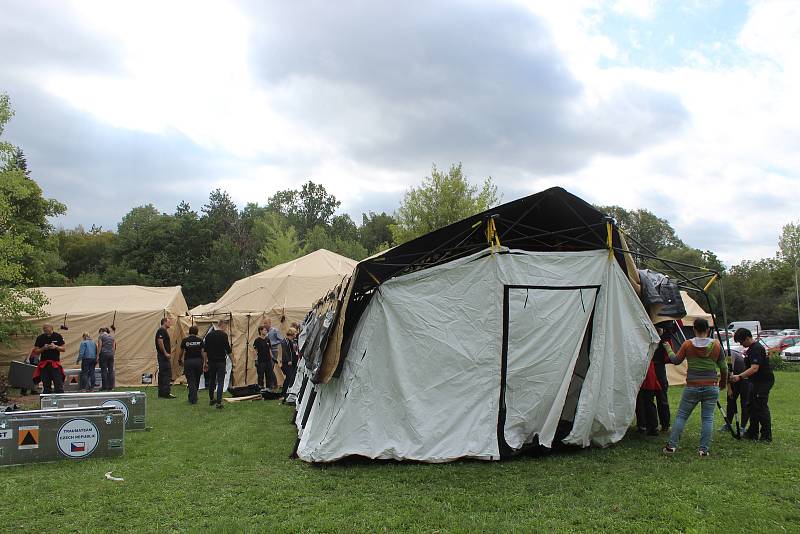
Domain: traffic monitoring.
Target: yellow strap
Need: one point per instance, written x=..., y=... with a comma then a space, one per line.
x=713, y=279
x=491, y=235
x=608, y=240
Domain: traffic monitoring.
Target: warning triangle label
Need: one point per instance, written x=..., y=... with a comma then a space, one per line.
x=28, y=437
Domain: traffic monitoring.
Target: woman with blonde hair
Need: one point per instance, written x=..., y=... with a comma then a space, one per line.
x=87, y=357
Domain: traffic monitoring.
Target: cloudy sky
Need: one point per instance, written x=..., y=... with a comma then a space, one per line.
x=688, y=109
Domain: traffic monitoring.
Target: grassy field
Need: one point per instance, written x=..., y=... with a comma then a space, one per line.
x=201, y=469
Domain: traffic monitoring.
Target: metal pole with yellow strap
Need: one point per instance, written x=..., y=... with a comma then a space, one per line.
x=491, y=234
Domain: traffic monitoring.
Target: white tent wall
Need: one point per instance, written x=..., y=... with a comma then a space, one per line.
x=422, y=377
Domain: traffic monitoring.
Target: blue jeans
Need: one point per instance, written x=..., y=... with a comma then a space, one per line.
x=707, y=396
x=87, y=379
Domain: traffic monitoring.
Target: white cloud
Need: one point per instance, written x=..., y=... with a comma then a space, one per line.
x=737, y=159
x=364, y=102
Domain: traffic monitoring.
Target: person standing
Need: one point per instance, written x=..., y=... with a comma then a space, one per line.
x=49, y=346
x=217, y=348
x=739, y=389
x=264, y=360
x=87, y=357
x=704, y=357
x=275, y=341
x=106, y=349
x=646, y=411
x=290, y=355
x=660, y=359
x=761, y=381
x=164, y=356
x=191, y=358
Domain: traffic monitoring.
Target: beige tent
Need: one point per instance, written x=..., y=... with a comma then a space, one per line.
x=676, y=374
x=284, y=293
x=202, y=308
x=135, y=312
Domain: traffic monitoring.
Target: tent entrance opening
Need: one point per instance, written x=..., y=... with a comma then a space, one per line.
x=545, y=355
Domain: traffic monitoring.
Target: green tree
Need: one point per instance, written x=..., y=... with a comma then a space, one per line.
x=85, y=253
x=789, y=242
x=311, y=206
x=442, y=199
x=650, y=234
x=23, y=228
x=281, y=242
x=762, y=290
x=375, y=233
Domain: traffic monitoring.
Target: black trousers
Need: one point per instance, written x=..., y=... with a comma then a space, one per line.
x=164, y=376
x=52, y=381
x=662, y=401
x=193, y=370
x=215, y=380
x=106, y=373
x=741, y=391
x=760, y=418
x=289, y=372
x=265, y=373
x=646, y=412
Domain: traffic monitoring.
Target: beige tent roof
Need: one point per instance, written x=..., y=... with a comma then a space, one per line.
x=202, y=308
x=100, y=299
x=295, y=285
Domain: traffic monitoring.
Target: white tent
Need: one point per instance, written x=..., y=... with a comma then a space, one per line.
x=489, y=351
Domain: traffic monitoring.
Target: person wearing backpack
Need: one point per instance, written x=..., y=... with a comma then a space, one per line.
x=704, y=357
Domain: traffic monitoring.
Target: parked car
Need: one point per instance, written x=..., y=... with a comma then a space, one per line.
x=769, y=333
x=790, y=332
x=791, y=354
x=777, y=344
x=753, y=326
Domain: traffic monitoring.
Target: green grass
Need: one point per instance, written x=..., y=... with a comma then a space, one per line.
x=200, y=469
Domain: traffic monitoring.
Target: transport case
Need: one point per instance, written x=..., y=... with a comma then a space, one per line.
x=34, y=436
x=132, y=403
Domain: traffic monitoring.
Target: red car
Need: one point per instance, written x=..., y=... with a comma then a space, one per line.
x=779, y=343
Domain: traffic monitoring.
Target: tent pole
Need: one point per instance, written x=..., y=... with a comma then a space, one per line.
x=246, y=350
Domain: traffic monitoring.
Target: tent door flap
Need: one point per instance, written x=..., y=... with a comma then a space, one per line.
x=544, y=331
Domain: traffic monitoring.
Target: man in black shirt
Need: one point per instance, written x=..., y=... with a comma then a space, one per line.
x=264, y=365
x=217, y=348
x=191, y=358
x=49, y=345
x=761, y=381
x=164, y=355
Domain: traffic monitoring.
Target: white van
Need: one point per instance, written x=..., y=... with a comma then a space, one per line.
x=753, y=326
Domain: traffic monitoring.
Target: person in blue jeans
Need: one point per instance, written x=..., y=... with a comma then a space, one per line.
x=87, y=357
x=704, y=357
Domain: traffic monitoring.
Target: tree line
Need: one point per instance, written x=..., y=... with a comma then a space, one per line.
x=205, y=250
